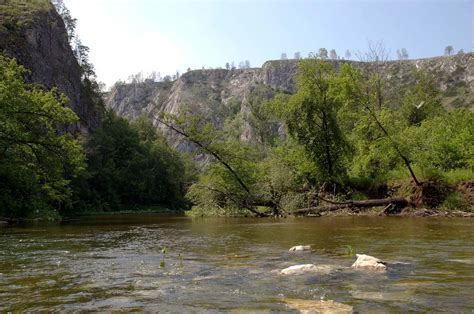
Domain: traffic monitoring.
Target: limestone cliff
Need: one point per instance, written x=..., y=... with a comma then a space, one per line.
x=34, y=33
x=219, y=93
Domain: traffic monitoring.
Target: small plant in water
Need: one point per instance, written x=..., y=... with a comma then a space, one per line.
x=180, y=260
x=349, y=250
x=162, y=262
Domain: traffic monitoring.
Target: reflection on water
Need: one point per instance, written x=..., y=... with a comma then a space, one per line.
x=215, y=265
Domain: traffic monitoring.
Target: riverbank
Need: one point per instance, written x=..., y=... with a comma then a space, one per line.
x=406, y=212
x=97, y=215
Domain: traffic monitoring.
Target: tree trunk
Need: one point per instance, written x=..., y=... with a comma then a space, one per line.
x=397, y=201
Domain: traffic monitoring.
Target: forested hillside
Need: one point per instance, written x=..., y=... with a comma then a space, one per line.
x=61, y=152
x=221, y=94
x=294, y=137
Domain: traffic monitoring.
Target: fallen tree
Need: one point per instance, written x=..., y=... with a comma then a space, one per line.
x=397, y=202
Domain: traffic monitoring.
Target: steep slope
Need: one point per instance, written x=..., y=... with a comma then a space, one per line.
x=218, y=94
x=34, y=33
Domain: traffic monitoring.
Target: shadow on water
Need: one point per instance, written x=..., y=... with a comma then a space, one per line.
x=178, y=264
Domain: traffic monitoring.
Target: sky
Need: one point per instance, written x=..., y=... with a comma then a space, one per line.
x=130, y=36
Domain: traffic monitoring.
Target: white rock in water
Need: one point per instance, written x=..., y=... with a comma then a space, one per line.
x=300, y=248
x=308, y=268
x=299, y=269
x=368, y=262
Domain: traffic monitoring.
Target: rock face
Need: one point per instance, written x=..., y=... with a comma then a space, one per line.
x=300, y=248
x=219, y=94
x=35, y=34
x=368, y=262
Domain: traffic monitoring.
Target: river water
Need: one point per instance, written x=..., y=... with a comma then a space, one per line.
x=178, y=264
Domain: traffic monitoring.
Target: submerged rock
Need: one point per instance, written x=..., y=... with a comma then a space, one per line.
x=314, y=306
x=300, y=248
x=306, y=268
x=369, y=262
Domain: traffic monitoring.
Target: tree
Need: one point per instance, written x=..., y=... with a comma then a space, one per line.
x=348, y=55
x=69, y=22
x=247, y=64
x=231, y=178
x=333, y=54
x=297, y=55
x=448, y=50
x=364, y=94
x=129, y=166
x=422, y=100
x=323, y=53
x=137, y=78
x=81, y=53
x=402, y=54
x=154, y=76
x=283, y=56
x=34, y=159
x=311, y=118
x=461, y=52
x=227, y=66
x=376, y=52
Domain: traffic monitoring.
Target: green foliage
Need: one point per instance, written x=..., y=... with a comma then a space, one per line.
x=130, y=165
x=261, y=117
x=342, y=130
x=443, y=141
x=453, y=201
x=34, y=158
x=422, y=100
x=365, y=133
x=311, y=118
x=420, y=129
x=16, y=13
x=350, y=250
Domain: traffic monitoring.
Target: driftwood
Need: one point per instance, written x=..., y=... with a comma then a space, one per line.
x=397, y=201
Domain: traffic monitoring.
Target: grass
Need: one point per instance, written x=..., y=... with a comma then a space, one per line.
x=453, y=201
x=458, y=175
x=451, y=177
x=14, y=14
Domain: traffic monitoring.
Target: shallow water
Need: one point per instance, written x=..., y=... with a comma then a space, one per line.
x=215, y=265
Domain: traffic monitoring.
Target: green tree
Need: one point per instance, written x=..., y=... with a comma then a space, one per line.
x=130, y=166
x=422, y=100
x=34, y=158
x=361, y=96
x=311, y=117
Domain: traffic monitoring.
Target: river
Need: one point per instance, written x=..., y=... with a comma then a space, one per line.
x=179, y=264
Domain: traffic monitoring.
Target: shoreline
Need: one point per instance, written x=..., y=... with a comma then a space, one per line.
x=374, y=212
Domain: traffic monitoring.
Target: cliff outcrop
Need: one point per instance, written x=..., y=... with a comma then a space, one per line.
x=34, y=34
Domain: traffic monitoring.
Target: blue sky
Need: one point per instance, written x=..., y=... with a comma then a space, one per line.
x=129, y=36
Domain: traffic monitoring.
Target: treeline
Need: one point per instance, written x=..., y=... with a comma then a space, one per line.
x=346, y=140
x=43, y=173
x=401, y=53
